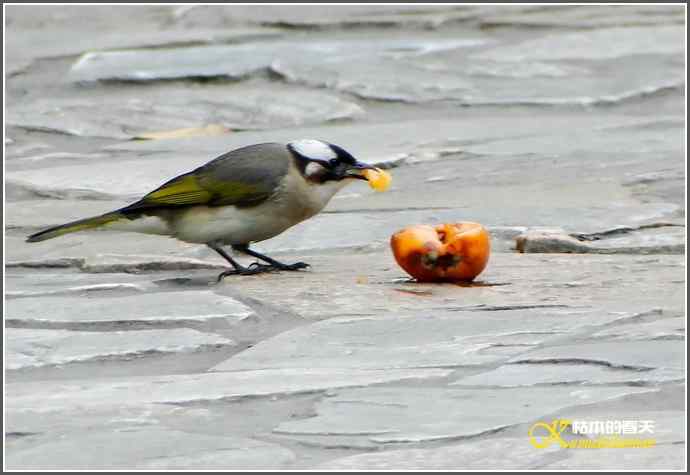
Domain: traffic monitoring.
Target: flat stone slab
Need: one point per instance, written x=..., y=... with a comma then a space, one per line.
x=123, y=115
x=520, y=375
x=658, y=240
x=517, y=453
x=636, y=355
x=147, y=29
x=109, y=252
x=118, y=263
x=469, y=78
x=397, y=414
x=581, y=45
x=665, y=329
x=239, y=60
x=106, y=312
x=666, y=457
x=148, y=448
x=663, y=408
x=606, y=15
x=371, y=284
x=511, y=454
x=29, y=348
x=429, y=338
x=179, y=389
x=321, y=17
x=498, y=453
x=61, y=281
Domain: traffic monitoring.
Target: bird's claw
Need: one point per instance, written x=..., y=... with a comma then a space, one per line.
x=258, y=268
x=253, y=269
x=226, y=273
x=295, y=266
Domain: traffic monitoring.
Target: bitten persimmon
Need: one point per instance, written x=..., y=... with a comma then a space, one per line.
x=443, y=253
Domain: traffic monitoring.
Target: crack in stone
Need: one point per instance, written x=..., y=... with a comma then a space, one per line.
x=20, y=434
x=497, y=308
x=618, y=231
x=124, y=267
x=584, y=361
x=200, y=324
x=126, y=356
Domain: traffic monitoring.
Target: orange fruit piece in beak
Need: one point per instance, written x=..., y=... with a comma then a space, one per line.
x=378, y=179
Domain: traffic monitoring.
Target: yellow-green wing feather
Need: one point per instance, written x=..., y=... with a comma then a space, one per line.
x=243, y=177
x=183, y=190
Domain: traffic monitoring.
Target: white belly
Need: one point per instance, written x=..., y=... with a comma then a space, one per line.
x=231, y=225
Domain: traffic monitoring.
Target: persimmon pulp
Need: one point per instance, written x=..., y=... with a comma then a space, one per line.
x=378, y=179
x=448, y=252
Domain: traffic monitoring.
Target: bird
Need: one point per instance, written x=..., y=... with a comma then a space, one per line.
x=244, y=196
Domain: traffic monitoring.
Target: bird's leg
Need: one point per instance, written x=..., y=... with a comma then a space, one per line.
x=238, y=269
x=272, y=263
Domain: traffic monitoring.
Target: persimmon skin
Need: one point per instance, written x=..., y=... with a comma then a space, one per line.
x=448, y=252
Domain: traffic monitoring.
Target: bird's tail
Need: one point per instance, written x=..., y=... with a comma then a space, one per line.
x=74, y=226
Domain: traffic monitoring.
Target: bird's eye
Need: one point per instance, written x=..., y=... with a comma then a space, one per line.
x=333, y=161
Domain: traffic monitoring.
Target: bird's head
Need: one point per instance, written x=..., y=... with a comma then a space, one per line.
x=322, y=162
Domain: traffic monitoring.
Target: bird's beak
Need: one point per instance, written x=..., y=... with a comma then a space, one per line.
x=357, y=170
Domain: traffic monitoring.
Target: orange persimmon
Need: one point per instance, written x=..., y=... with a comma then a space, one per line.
x=443, y=253
x=378, y=179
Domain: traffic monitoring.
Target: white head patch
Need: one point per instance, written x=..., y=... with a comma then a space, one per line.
x=314, y=149
x=313, y=169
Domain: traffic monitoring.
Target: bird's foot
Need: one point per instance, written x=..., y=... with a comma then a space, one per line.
x=258, y=268
x=240, y=271
x=280, y=266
